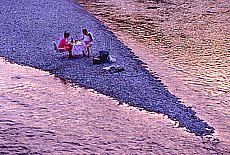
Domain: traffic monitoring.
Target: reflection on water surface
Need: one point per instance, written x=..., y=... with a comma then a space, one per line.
x=39, y=110
x=186, y=43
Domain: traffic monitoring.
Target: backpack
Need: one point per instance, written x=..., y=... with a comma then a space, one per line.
x=104, y=56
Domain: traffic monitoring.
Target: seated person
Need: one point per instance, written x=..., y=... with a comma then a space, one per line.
x=88, y=39
x=64, y=44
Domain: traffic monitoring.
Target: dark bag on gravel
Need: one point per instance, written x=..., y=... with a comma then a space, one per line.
x=96, y=60
x=102, y=58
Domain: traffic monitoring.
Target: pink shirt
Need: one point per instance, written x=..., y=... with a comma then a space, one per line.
x=63, y=43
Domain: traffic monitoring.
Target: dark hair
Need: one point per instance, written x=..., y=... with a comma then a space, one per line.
x=84, y=30
x=66, y=34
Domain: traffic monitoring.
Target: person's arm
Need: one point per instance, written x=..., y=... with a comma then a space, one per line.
x=82, y=37
x=90, y=36
x=66, y=43
x=63, y=43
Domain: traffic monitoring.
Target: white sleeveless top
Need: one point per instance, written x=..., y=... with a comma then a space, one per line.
x=87, y=37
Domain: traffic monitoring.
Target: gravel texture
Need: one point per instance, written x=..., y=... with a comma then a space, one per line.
x=28, y=28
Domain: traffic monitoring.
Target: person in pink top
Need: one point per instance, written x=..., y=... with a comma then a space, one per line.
x=64, y=44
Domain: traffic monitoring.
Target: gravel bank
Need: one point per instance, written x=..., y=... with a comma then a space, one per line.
x=28, y=28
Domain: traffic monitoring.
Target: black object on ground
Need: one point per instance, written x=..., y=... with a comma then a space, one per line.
x=29, y=27
x=103, y=57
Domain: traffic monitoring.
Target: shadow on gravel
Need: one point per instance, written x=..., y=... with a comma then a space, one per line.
x=137, y=87
x=28, y=42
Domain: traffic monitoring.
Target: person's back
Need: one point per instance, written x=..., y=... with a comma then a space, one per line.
x=63, y=44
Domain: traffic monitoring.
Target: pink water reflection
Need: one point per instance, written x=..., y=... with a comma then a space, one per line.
x=41, y=114
x=185, y=43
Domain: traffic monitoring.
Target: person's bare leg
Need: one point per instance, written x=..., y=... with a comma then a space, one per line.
x=69, y=49
x=88, y=50
x=70, y=54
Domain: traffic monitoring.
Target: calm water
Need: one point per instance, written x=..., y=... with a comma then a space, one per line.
x=186, y=44
x=41, y=114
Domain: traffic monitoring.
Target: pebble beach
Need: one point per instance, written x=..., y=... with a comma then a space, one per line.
x=28, y=29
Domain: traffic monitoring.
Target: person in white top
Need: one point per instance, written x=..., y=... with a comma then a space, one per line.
x=88, y=39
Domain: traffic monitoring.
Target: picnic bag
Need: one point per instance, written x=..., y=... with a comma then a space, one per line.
x=102, y=58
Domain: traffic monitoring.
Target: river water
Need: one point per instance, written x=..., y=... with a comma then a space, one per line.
x=185, y=43
x=42, y=114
